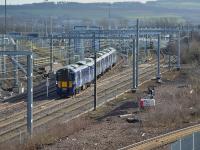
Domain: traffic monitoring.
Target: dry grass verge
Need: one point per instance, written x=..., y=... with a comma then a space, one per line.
x=48, y=135
x=176, y=104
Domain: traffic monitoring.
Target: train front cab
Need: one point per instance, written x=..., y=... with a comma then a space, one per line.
x=65, y=83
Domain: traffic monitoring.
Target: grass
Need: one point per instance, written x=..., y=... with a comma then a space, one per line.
x=177, y=105
x=191, y=55
x=48, y=135
x=176, y=111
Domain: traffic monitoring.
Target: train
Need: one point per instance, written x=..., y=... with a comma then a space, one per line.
x=73, y=78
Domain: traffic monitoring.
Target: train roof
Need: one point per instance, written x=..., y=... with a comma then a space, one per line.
x=89, y=61
x=81, y=63
x=77, y=67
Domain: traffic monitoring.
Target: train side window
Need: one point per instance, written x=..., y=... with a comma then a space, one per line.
x=103, y=63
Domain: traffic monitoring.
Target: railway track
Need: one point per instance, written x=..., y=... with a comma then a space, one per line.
x=10, y=129
x=5, y=107
x=162, y=140
x=10, y=126
x=39, y=93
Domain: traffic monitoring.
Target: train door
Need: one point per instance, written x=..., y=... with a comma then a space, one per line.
x=78, y=78
x=81, y=77
x=98, y=67
x=89, y=73
x=106, y=62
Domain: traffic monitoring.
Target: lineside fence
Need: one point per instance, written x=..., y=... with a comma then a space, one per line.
x=191, y=142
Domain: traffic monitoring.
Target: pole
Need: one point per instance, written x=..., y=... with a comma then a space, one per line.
x=134, y=66
x=51, y=25
x=16, y=67
x=4, y=58
x=137, y=53
x=30, y=94
x=5, y=17
x=47, y=84
x=109, y=16
x=65, y=52
x=95, y=72
x=69, y=51
x=169, y=62
x=99, y=41
x=51, y=53
x=82, y=50
x=46, y=30
x=179, y=50
x=158, y=59
x=188, y=38
x=146, y=53
x=1, y=61
x=193, y=141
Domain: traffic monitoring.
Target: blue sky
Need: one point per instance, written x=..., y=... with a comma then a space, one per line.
x=82, y=1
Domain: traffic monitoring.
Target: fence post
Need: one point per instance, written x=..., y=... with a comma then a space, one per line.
x=193, y=144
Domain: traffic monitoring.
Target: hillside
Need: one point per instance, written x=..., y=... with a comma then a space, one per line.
x=188, y=10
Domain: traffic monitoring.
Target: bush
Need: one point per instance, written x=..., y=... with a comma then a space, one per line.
x=192, y=55
x=177, y=107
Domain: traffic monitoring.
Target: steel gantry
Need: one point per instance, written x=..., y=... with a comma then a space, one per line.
x=29, y=56
x=78, y=43
x=113, y=34
x=133, y=34
x=96, y=34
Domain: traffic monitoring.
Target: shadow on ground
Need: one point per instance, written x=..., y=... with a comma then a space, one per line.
x=120, y=110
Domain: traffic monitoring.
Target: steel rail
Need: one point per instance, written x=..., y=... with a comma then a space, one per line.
x=56, y=114
x=19, y=116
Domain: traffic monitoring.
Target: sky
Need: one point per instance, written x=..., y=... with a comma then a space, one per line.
x=82, y=1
